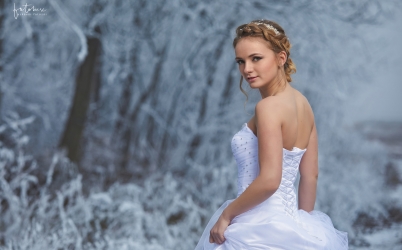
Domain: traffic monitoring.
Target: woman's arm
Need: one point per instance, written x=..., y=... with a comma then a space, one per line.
x=309, y=174
x=270, y=152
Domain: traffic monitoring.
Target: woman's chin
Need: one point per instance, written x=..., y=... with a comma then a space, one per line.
x=252, y=85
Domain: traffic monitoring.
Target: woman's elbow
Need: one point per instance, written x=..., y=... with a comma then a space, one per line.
x=271, y=186
x=312, y=178
x=309, y=176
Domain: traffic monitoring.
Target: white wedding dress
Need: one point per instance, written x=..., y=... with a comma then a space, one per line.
x=276, y=223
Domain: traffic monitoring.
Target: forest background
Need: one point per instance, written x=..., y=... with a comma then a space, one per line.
x=116, y=117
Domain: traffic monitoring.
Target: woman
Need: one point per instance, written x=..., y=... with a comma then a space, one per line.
x=271, y=147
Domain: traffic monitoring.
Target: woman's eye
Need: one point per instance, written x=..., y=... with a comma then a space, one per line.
x=256, y=58
x=239, y=62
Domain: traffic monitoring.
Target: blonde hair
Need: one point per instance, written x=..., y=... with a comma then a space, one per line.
x=277, y=40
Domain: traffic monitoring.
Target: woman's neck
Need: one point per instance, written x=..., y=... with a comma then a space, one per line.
x=273, y=88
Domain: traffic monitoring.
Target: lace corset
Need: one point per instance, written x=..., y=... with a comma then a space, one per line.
x=245, y=151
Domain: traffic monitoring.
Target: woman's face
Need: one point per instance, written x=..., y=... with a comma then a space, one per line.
x=258, y=64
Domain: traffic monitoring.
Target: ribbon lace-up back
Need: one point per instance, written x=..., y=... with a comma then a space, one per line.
x=245, y=151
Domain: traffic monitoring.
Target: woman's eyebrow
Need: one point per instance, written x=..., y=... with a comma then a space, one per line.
x=254, y=54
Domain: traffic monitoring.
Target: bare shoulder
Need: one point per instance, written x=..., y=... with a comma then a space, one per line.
x=305, y=104
x=269, y=109
x=269, y=102
x=301, y=97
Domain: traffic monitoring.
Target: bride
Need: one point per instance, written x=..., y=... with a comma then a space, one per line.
x=270, y=149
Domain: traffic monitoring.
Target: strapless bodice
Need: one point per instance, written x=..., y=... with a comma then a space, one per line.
x=245, y=151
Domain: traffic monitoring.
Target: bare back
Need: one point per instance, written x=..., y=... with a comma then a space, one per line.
x=298, y=120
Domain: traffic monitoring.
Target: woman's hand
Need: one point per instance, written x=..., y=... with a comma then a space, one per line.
x=216, y=233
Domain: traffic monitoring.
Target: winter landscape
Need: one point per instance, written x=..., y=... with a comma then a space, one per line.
x=116, y=117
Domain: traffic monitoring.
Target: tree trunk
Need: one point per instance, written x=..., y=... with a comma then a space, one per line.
x=78, y=113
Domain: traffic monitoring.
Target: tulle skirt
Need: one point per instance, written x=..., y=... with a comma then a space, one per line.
x=262, y=228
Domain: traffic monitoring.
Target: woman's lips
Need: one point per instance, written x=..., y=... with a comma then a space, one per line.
x=251, y=78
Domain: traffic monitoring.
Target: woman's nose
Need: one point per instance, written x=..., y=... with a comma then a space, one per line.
x=247, y=68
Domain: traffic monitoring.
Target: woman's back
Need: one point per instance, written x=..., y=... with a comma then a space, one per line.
x=298, y=130
x=298, y=119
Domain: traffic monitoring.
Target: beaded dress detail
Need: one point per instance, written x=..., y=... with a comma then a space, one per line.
x=276, y=223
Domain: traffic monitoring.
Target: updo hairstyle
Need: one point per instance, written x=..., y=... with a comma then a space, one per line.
x=274, y=34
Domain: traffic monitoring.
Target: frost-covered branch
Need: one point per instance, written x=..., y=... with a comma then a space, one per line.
x=84, y=47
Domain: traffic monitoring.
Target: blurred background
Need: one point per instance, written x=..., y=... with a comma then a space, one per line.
x=116, y=117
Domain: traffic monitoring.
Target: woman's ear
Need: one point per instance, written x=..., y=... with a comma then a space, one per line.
x=282, y=57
